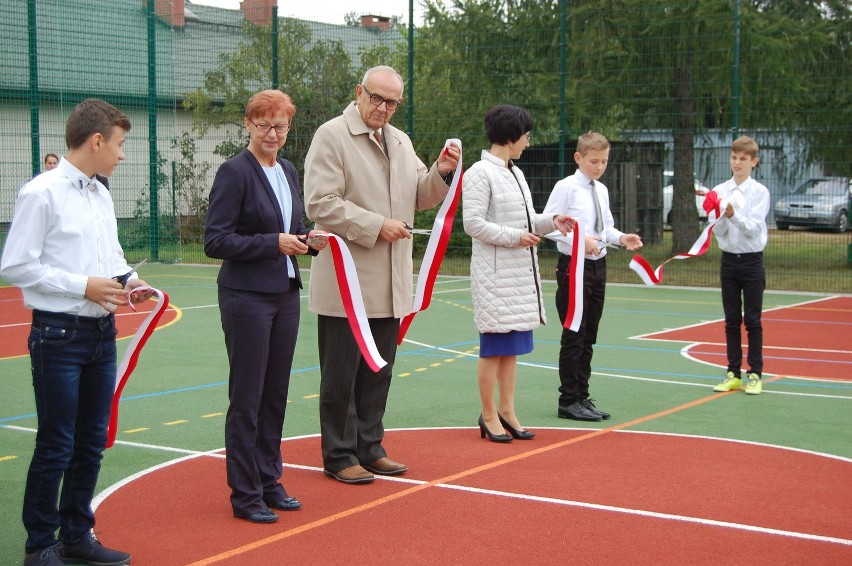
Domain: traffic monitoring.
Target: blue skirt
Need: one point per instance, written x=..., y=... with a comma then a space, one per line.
x=512, y=343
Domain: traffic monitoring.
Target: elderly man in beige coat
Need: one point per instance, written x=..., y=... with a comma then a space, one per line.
x=364, y=182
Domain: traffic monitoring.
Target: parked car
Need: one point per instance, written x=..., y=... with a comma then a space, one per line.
x=820, y=202
x=668, y=192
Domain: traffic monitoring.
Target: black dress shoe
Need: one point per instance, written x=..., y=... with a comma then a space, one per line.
x=286, y=504
x=483, y=430
x=265, y=516
x=521, y=434
x=578, y=412
x=587, y=403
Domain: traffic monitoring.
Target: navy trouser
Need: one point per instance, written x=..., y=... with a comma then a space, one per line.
x=260, y=337
x=576, y=348
x=73, y=364
x=743, y=279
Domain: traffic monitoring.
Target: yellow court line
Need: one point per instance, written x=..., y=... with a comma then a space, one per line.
x=485, y=467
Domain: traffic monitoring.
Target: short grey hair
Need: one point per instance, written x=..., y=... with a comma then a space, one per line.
x=385, y=69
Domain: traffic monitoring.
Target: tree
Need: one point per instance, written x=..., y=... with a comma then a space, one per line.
x=318, y=76
x=646, y=65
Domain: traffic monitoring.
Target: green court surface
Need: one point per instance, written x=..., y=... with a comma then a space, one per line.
x=174, y=403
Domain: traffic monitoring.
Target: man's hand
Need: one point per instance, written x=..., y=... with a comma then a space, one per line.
x=317, y=239
x=393, y=230
x=449, y=160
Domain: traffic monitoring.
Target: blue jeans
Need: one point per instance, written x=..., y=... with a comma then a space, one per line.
x=74, y=365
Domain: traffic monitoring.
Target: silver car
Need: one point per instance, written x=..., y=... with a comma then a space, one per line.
x=821, y=202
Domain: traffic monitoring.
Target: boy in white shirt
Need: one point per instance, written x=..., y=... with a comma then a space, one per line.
x=63, y=252
x=741, y=234
x=583, y=197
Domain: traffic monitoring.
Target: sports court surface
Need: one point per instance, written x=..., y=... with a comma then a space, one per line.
x=678, y=475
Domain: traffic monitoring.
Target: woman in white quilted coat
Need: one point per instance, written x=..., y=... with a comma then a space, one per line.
x=504, y=275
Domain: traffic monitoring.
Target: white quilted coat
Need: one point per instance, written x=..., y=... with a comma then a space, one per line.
x=504, y=279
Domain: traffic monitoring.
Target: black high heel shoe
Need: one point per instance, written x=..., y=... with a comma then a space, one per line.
x=483, y=430
x=519, y=434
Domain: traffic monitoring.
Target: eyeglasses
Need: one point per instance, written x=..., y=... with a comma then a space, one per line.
x=377, y=100
x=528, y=137
x=264, y=128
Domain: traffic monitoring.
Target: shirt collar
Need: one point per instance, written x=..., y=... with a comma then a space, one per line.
x=77, y=177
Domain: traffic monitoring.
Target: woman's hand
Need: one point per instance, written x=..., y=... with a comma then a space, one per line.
x=527, y=240
x=564, y=223
x=290, y=244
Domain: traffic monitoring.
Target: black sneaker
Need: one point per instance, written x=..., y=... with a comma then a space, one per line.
x=89, y=550
x=587, y=403
x=45, y=557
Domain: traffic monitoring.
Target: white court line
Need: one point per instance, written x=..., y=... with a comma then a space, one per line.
x=631, y=377
x=218, y=453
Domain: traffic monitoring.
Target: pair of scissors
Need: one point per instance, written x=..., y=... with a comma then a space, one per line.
x=421, y=231
x=123, y=278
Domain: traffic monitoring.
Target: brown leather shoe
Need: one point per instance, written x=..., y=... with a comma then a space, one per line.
x=352, y=474
x=386, y=467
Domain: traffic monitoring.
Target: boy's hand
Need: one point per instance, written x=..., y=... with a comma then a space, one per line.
x=593, y=245
x=106, y=292
x=631, y=242
x=142, y=295
x=729, y=210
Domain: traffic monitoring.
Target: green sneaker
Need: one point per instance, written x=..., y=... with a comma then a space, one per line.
x=730, y=383
x=753, y=386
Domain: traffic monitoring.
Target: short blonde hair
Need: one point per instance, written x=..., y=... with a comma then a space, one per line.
x=591, y=141
x=745, y=145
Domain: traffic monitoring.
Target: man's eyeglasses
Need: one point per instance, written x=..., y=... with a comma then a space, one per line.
x=264, y=128
x=377, y=100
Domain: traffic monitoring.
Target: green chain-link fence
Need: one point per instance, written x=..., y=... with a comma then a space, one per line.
x=670, y=83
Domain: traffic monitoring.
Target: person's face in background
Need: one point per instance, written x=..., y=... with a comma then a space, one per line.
x=382, y=86
x=265, y=145
x=593, y=162
x=50, y=162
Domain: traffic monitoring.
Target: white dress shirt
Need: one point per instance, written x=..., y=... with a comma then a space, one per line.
x=63, y=231
x=281, y=188
x=573, y=196
x=745, y=231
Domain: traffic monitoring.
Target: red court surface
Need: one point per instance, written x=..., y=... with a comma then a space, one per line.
x=15, y=321
x=569, y=496
x=811, y=340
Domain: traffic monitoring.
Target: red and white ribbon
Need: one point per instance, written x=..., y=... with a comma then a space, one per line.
x=131, y=356
x=652, y=277
x=574, y=316
x=353, y=302
x=437, y=246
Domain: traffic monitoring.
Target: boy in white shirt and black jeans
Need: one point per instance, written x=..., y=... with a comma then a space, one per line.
x=741, y=233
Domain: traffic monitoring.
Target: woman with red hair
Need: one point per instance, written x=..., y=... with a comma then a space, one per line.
x=255, y=224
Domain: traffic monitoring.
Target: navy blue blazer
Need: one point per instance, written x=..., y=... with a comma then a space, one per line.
x=243, y=224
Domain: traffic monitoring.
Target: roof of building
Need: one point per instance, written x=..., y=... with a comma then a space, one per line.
x=107, y=55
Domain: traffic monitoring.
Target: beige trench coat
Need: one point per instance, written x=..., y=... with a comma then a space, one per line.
x=350, y=188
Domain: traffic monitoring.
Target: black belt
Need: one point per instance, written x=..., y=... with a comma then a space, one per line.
x=93, y=322
x=746, y=255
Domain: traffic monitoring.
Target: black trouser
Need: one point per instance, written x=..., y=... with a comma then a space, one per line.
x=353, y=396
x=575, y=352
x=743, y=279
